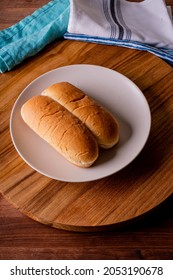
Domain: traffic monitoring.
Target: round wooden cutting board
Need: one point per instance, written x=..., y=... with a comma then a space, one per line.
x=100, y=204
x=87, y=206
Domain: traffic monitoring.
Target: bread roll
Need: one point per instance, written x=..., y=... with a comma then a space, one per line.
x=99, y=121
x=61, y=130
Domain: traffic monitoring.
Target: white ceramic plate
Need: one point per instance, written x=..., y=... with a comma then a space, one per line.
x=113, y=90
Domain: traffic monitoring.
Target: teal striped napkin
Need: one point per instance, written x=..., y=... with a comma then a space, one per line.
x=33, y=33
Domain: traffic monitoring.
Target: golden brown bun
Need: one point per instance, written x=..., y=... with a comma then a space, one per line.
x=61, y=130
x=99, y=121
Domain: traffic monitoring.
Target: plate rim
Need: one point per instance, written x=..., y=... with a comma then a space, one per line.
x=76, y=66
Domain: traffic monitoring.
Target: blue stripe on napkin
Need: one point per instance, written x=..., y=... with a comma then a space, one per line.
x=165, y=54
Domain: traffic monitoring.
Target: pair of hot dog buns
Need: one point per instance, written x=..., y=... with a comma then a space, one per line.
x=71, y=122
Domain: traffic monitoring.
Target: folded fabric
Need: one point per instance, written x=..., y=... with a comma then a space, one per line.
x=145, y=25
x=33, y=33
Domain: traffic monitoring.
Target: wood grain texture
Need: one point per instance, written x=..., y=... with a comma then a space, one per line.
x=150, y=237
x=92, y=206
x=14, y=11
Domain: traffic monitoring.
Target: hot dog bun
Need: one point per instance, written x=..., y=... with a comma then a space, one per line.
x=99, y=121
x=61, y=129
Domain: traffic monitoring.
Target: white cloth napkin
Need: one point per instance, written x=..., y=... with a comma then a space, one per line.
x=146, y=25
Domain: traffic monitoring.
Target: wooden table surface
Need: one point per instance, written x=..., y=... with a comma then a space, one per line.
x=148, y=237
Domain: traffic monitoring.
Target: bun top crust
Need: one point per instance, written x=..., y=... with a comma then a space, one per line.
x=99, y=121
x=61, y=129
